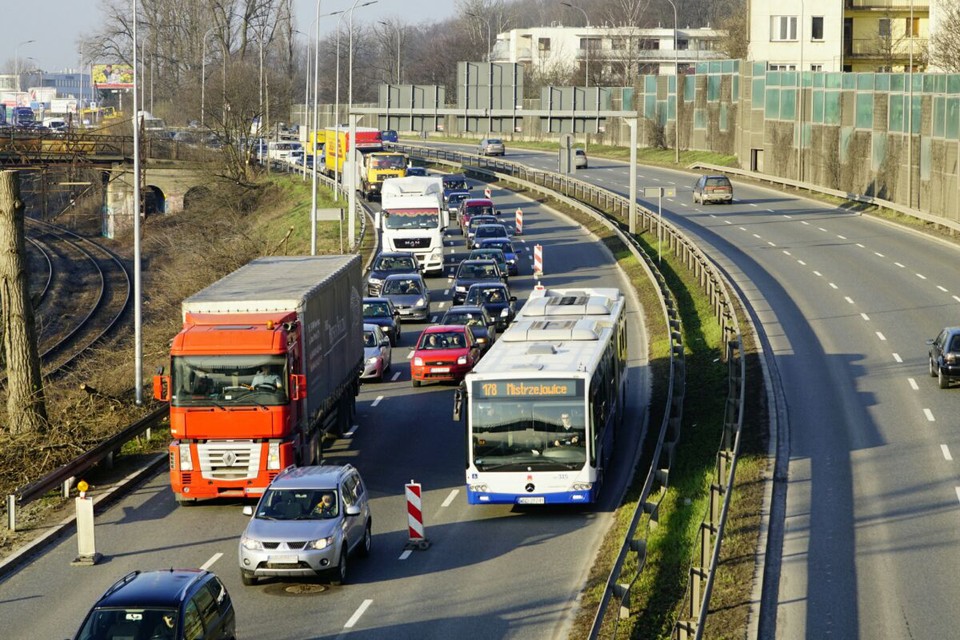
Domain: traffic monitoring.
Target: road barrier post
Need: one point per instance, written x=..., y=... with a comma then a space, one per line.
x=537, y=261
x=519, y=224
x=487, y=193
x=415, y=517
x=86, y=542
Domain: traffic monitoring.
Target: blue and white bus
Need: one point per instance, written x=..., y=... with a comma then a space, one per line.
x=543, y=405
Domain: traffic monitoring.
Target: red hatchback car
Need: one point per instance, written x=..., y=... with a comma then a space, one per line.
x=444, y=353
x=473, y=207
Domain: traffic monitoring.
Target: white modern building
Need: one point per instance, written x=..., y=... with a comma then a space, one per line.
x=606, y=54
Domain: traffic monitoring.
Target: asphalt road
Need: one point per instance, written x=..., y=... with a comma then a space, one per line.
x=490, y=572
x=868, y=544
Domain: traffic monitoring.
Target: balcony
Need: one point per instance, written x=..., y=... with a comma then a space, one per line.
x=919, y=6
x=895, y=50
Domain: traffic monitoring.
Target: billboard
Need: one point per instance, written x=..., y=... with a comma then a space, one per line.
x=113, y=76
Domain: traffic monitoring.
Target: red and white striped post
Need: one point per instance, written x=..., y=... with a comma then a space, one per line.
x=415, y=517
x=487, y=193
x=537, y=261
x=519, y=224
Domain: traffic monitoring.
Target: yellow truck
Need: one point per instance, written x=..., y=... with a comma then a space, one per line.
x=373, y=164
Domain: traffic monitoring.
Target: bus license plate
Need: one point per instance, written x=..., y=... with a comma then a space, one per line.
x=532, y=500
x=440, y=370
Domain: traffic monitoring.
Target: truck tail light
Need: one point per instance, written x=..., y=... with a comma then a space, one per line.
x=186, y=458
x=273, y=455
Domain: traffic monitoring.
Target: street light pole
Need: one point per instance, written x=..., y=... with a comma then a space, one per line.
x=800, y=98
x=676, y=86
x=313, y=181
x=16, y=63
x=137, y=289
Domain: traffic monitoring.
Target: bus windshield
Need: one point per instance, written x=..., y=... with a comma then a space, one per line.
x=532, y=433
x=234, y=380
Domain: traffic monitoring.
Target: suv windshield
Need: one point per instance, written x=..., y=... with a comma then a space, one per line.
x=130, y=623
x=298, y=504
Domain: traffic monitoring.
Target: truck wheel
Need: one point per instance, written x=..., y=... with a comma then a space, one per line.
x=247, y=578
x=416, y=383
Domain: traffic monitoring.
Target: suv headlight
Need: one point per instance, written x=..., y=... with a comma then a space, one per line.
x=322, y=543
x=250, y=544
x=376, y=282
x=373, y=360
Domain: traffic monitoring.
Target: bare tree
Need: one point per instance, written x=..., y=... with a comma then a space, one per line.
x=735, y=39
x=26, y=409
x=944, y=50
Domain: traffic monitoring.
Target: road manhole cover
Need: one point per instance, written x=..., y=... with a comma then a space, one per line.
x=295, y=589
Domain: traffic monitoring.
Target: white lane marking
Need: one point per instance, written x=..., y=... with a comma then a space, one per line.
x=752, y=204
x=958, y=493
x=772, y=211
x=410, y=354
x=841, y=237
x=913, y=384
x=771, y=244
x=897, y=358
x=742, y=228
x=865, y=317
x=209, y=563
x=354, y=428
x=921, y=276
x=848, y=299
x=786, y=215
x=356, y=615
x=946, y=453
x=757, y=236
x=450, y=498
x=929, y=415
x=684, y=204
x=900, y=265
x=406, y=554
x=801, y=263
x=833, y=286
x=882, y=337
x=787, y=253
x=727, y=222
x=822, y=229
x=878, y=254
x=942, y=288
x=446, y=292
x=817, y=273
x=396, y=376
x=377, y=401
x=957, y=298
x=669, y=182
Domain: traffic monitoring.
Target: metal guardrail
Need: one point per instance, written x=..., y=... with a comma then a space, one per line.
x=846, y=195
x=65, y=475
x=713, y=284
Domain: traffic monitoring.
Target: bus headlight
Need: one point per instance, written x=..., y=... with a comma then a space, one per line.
x=186, y=458
x=273, y=455
x=479, y=488
x=582, y=486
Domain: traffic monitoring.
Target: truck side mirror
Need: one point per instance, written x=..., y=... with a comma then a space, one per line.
x=161, y=388
x=298, y=387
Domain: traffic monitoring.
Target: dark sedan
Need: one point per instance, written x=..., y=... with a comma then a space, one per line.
x=513, y=260
x=381, y=312
x=472, y=271
x=388, y=262
x=409, y=294
x=476, y=317
x=496, y=299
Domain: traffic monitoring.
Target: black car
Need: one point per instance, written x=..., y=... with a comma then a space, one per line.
x=476, y=317
x=381, y=312
x=944, y=356
x=184, y=603
x=496, y=299
x=472, y=271
x=386, y=263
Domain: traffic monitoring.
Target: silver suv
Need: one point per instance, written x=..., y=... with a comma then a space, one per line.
x=491, y=147
x=308, y=522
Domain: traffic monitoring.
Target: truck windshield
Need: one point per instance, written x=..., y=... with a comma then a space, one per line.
x=412, y=219
x=238, y=380
x=388, y=162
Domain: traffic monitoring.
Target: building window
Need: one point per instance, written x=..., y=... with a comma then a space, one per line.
x=649, y=44
x=816, y=28
x=781, y=67
x=683, y=45
x=883, y=25
x=783, y=28
x=912, y=28
x=590, y=44
x=618, y=44
x=544, y=45
x=816, y=67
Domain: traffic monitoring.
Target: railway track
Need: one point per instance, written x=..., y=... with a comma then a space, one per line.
x=86, y=292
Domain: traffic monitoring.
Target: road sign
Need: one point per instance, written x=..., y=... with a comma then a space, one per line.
x=659, y=192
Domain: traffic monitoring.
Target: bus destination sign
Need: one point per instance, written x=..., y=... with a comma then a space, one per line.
x=527, y=388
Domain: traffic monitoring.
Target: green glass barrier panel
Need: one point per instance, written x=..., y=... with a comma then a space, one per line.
x=771, y=110
x=702, y=67
x=848, y=81
x=650, y=84
x=917, y=114
x=833, y=80
x=895, y=117
x=953, y=83
x=879, y=150
x=759, y=69
x=818, y=80
x=627, y=95
x=713, y=88
x=929, y=82
x=864, y=108
x=831, y=107
x=952, y=118
x=816, y=105
x=649, y=106
x=865, y=81
x=897, y=82
x=724, y=123
x=699, y=118
x=883, y=82
x=938, y=116
x=941, y=83
x=671, y=111
x=735, y=89
x=773, y=78
x=788, y=104
x=689, y=87
x=757, y=89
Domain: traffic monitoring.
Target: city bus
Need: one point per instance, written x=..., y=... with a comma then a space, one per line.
x=543, y=404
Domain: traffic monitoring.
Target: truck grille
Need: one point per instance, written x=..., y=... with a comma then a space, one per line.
x=411, y=243
x=229, y=460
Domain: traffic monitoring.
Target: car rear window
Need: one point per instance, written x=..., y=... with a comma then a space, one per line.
x=718, y=182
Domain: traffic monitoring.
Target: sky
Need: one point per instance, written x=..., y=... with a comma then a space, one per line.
x=57, y=28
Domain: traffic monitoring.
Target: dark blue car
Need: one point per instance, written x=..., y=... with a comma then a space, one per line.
x=388, y=136
x=513, y=260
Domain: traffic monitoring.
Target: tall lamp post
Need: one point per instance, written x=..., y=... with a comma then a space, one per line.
x=336, y=108
x=137, y=288
x=203, y=75
x=16, y=62
x=487, y=21
x=352, y=176
x=676, y=62
x=800, y=98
